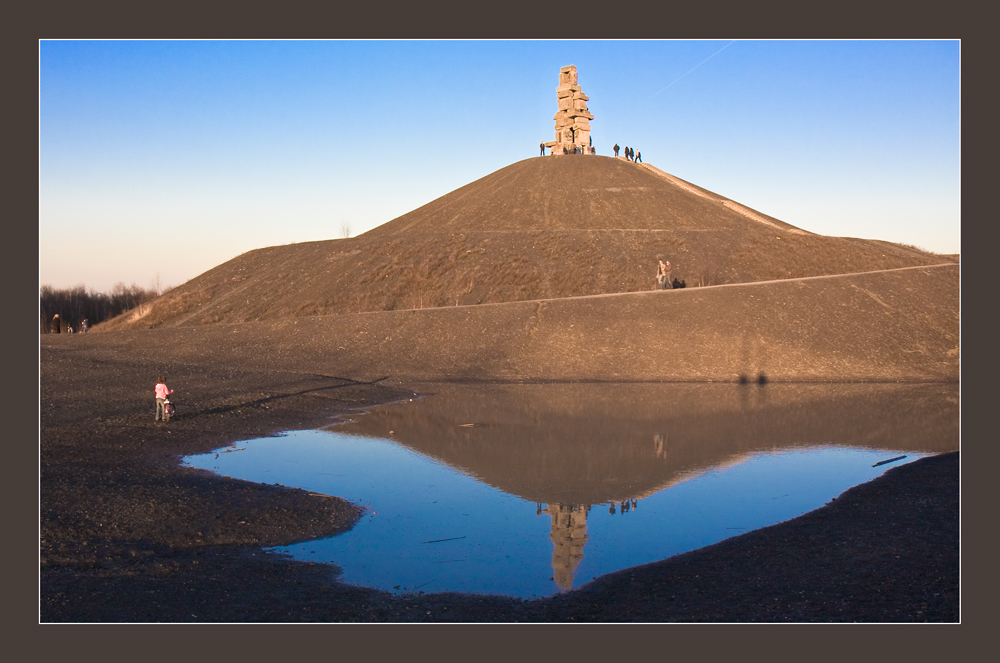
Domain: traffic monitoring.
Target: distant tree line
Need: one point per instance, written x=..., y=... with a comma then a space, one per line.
x=74, y=305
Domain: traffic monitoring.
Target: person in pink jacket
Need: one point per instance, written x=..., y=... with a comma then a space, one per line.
x=162, y=391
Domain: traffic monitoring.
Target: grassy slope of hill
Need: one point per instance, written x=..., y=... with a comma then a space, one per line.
x=539, y=228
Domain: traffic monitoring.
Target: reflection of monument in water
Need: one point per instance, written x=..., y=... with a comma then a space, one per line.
x=569, y=446
x=569, y=535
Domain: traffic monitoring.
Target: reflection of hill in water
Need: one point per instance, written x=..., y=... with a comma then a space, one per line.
x=599, y=443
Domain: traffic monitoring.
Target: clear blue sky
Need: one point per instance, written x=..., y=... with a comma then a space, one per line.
x=163, y=159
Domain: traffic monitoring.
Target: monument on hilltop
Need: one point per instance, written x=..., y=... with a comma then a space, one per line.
x=572, y=118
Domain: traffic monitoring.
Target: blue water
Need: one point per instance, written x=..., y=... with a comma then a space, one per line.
x=430, y=527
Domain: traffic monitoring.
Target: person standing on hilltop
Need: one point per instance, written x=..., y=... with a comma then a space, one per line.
x=638, y=157
x=162, y=391
x=663, y=275
x=616, y=149
x=541, y=146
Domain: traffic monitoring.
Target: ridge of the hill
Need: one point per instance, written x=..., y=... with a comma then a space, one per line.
x=541, y=228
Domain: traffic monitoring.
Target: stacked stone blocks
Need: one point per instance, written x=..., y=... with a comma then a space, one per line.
x=572, y=118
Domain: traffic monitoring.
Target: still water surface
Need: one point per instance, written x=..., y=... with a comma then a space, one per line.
x=528, y=490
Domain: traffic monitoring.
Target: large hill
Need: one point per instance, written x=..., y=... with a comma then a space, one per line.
x=542, y=228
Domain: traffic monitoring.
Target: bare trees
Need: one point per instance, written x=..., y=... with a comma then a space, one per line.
x=74, y=305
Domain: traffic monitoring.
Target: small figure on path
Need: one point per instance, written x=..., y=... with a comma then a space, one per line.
x=162, y=404
x=541, y=146
x=616, y=148
x=638, y=157
x=56, y=329
x=663, y=275
x=84, y=326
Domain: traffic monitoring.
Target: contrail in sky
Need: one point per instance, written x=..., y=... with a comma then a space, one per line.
x=698, y=65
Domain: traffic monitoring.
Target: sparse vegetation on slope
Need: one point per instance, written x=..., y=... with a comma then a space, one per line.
x=537, y=229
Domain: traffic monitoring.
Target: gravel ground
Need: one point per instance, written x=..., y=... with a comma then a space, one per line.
x=129, y=536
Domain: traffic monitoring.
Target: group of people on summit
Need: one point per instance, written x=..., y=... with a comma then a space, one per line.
x=630, y=154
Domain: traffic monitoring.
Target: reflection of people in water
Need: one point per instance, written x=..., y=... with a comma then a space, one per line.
x=624, y=506
x=660, y=442
x=538, y=508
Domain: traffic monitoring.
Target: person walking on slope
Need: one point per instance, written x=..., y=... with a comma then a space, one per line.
x=616, y=149
x=663, y=275
x=638, y=157
x=162, y=391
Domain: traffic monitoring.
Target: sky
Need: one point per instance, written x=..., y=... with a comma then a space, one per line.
x=161, y=159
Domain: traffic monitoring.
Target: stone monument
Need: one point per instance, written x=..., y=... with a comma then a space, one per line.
x=572, y=118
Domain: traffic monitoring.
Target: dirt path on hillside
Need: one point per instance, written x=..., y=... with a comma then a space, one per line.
x=129, y=536
x=734, y=285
